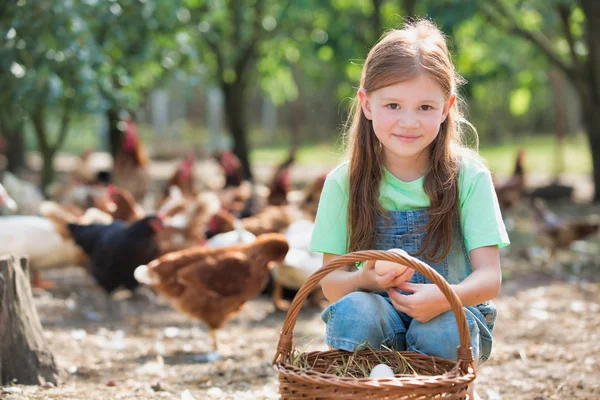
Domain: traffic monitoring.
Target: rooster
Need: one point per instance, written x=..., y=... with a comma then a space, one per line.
x=115, y=250
x=509, y=192
x=131, y=169
x=183, y=177
x=281, y=183
x=232, y=167
x=211, y=284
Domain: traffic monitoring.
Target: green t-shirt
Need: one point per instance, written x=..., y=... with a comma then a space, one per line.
x=481, y=220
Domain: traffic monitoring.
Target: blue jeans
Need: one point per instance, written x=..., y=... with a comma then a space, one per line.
x=361, y=317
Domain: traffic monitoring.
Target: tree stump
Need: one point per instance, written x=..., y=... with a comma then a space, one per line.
x=24, y=355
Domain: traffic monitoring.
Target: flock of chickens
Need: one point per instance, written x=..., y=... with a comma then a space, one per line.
x=209, y=251
x=553, y=232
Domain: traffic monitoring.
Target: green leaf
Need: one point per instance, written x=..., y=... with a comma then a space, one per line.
x=519, y=101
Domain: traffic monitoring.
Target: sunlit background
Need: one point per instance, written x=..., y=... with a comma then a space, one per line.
x=266, y=79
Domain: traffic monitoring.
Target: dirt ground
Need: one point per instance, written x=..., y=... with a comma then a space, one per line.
x=546, y=345
x=546, y=341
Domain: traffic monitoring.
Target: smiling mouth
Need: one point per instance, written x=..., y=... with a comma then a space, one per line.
x=406, y=138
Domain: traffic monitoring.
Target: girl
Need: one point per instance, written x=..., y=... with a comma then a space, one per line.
x=410, y=185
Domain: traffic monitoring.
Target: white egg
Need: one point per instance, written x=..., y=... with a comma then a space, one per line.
x=381, y=371
x=383, y=267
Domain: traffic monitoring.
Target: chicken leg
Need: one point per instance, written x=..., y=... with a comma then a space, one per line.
x=38, y=282
x=214, y=354
x=213, y=335
x=280, y=303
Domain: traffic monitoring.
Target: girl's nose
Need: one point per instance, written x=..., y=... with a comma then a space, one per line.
x=408, y=120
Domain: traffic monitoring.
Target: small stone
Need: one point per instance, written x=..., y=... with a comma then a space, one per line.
x=157, y=387
x=111, y=383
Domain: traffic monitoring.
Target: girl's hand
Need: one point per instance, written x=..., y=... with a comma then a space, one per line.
x=383, y=282
x=426, y=302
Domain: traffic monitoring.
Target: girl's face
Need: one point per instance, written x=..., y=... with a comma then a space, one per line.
x=406, y=117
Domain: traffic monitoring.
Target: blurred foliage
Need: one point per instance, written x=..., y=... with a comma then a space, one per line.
x=90, y=56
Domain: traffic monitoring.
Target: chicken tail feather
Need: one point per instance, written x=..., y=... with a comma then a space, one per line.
x=141, y=275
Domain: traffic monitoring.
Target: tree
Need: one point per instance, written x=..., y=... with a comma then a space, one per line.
x=141, y=43
x=232, y=37
x=575, y=51
x=61, y=58
x=46, y=60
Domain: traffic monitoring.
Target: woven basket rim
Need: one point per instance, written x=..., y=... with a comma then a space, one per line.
x=453, y=376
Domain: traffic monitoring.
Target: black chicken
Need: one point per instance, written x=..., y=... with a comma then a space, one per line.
x=116, y=250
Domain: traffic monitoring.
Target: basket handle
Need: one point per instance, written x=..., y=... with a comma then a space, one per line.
x=465, y=353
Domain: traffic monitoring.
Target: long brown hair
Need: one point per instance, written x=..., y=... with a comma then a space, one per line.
x=401, y=55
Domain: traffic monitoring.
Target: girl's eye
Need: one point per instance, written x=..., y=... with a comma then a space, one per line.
x=426, y=108
x=393, y=106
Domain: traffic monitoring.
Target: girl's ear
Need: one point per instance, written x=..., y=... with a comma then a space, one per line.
x=365, y=104
x=447, y=107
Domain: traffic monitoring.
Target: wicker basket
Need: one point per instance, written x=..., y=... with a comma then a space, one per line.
x=436, y=378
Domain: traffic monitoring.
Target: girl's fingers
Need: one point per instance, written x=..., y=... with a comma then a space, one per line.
x=369, y=264
x=398, y=300
x=408, y=287
x=387, y=278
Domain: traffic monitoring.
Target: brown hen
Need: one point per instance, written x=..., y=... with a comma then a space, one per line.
x=211, y=284
x=271, y=219
x=120, y=204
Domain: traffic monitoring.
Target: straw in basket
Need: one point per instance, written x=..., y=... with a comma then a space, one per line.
x=436, y=378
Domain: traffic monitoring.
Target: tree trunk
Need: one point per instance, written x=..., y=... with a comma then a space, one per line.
x=588, y=87
x=115, y=135
x=235, y=115
x=377, y=18
x=591, y=121
x=24, y=355
x=16, y=152
x=560, y=121
x=11, y=128
x=47, y=169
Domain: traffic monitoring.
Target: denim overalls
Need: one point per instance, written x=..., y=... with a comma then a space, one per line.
x=360, y=316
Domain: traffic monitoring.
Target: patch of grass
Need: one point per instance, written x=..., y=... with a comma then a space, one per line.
x=539, y=158
x=540, y=155
x=307, y=155
x=181, y=135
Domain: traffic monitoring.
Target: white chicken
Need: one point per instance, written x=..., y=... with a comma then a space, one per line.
x=237, y=236
x=38, y=239
x=299, y=264
x=25, y=194
x=6, y=202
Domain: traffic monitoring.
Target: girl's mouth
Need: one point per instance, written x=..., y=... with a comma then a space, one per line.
x=406, y=138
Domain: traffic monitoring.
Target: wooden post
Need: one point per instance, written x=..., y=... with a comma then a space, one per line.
x=24, y=355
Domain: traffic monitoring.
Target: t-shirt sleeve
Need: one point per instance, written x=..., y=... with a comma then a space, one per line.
x=481, y=218
x=329, y=233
